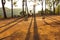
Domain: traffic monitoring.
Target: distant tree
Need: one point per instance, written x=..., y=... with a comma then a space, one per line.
x=12, y=3
x=45, y=6
x=26, y=7
x=23, y=7
x=42, y=6
x=11, y=7
x=57, y=4
x=3, y=7
x=49, y=3
x=53, y=6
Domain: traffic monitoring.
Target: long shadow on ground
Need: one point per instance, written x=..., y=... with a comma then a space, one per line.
x=53, y=23
x=48, y=24
x=11, y=26
x=28, y=32
x=8, y=36
x=10, y=22
x=35, y=35
x=53, y=18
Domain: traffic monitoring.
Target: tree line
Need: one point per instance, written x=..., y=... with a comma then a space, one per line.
x=50, y=3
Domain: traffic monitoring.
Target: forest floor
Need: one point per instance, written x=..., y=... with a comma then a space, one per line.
x=31, y=29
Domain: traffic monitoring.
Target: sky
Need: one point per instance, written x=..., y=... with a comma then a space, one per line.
x=19, y=5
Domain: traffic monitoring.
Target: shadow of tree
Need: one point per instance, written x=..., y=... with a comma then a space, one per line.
x=28, y=32
x=36, y=35
x=10, y=22
x=53, y=24
x=54, y=20
x=8, y=36
x=11, y=26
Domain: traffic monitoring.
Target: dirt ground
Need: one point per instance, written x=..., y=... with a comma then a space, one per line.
x=32, y=29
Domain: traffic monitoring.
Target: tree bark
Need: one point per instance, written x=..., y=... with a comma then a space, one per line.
x=42, y=7
x=58, y=7
x=23, y=7
x=54, y=7
x=12, y=8
x=4, y=12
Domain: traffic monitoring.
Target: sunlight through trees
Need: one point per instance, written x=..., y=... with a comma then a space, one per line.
x=45, y=5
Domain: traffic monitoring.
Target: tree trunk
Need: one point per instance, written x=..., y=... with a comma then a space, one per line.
x=26, y=10
x=34, y=9
x=42, y=8
x=12, y=8
x=45, y=6
x=23, y=7
x=3, y=3
x=58, y=8
x=26, y=7
x=50, y=11
x=53, y=8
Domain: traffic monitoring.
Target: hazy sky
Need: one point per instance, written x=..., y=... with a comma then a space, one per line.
x=19, y=5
